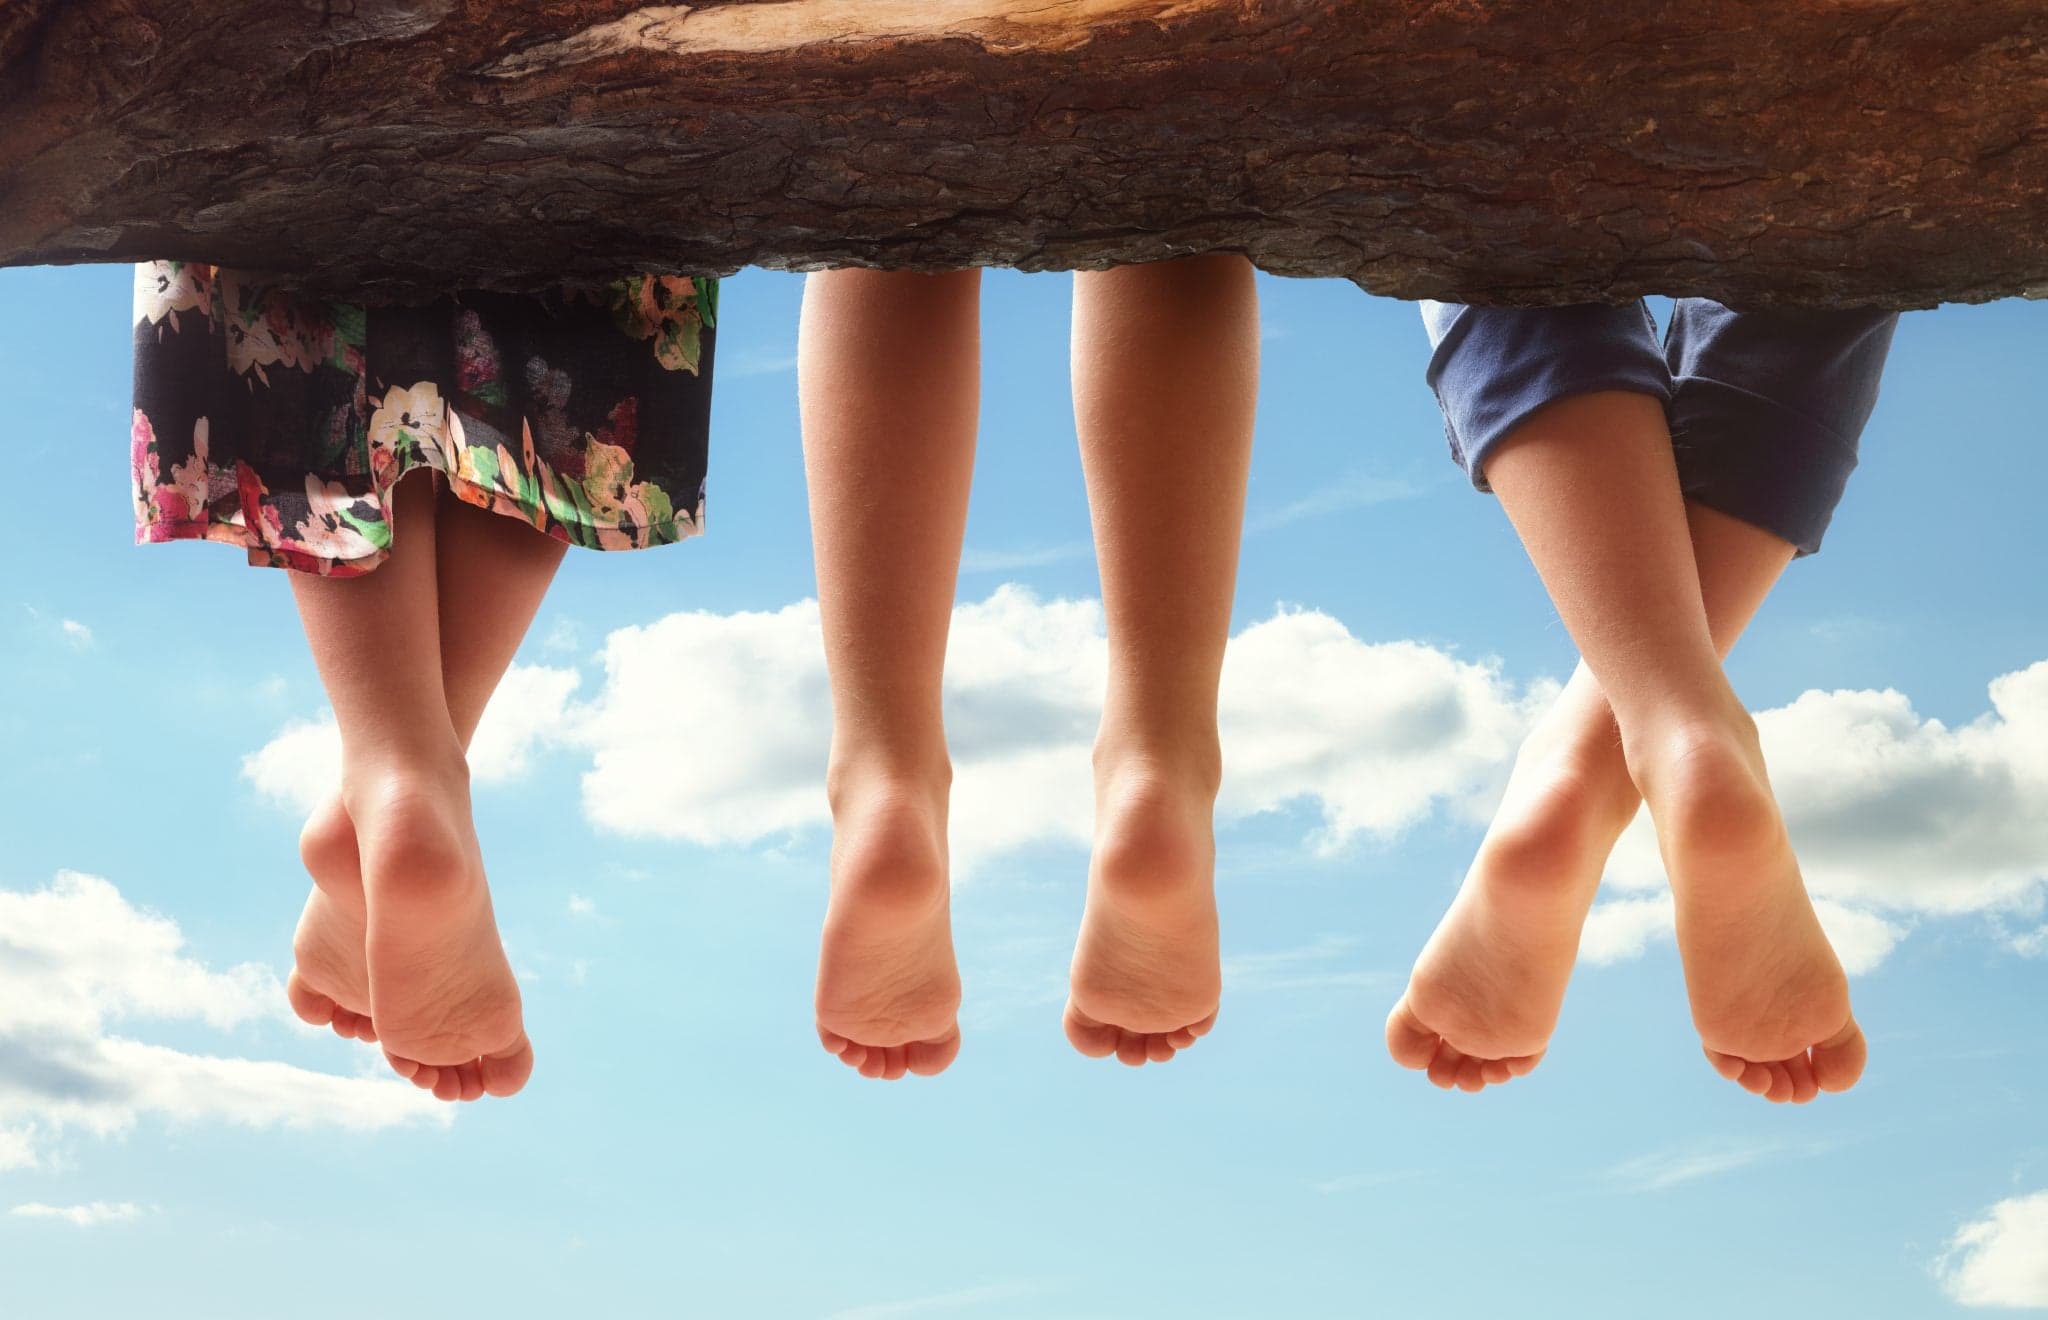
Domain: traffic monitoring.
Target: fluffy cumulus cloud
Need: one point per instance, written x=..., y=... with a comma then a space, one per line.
x=301, y=767
x=1897, y=818
x=76, y=959
x=2001, y=1259
x=714, y=729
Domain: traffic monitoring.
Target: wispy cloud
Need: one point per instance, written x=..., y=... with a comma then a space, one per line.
x=1009, y=561
x=961, y=1299
x=76, y=633
x=81, y=1216
x=1357, y=491
x=1329, y=961
x=1661, y=1170
x=579, y=906
x=1359, y=1182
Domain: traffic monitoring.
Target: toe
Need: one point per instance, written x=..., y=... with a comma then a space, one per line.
x=833, y=1042
x=876, y=1064
x=1472, y=1074
x=1756, y=1078
x=854, y=1055
x=1496, y=1071
x=1727, y=1065
x=1182, y=1039
x=1158, y=1049
x=1781, y=1084
x=1411, y=1044
x=505, y=1072
x=1522, y=1065
x=897, y=1065
x=1838, y=1061
x=929, y=1058
x=470, y=1077
x=405, y=1068
x=366, y=1030
x=1095, y=1039
x=1444, y=1065
x=308, y=1003
x=1130, y=1048
x=448, y=1085
x=1804, y=1087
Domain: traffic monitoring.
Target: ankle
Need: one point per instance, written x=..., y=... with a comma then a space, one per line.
x=1708, y=791
x=1185, y=766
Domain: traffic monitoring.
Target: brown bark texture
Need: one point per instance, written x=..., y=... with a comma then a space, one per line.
x=1817, y=152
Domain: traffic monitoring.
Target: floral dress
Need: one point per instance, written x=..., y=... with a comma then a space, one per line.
x=280, y=423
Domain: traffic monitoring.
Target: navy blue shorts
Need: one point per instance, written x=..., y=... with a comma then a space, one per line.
x=1766, y=408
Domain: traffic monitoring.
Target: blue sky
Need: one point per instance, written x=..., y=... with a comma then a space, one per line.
x=686, y=1148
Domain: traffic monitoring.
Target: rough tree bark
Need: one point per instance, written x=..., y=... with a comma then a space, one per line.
x=1522, y=151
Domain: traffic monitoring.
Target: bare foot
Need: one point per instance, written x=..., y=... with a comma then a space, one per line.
x=441, y=992
x=888, y=999
x=1147, y=975
x=1486, y=992
x=1768, y=995
x=330, y=983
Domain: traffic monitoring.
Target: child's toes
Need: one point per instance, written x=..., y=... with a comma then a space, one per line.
x=1096, y=1040
x=471, y=1079
x=311, y=1006
x=928, y=1058
x=1158, y=1049
x=1409, y=1042
x=1804, y=1087
x=406, y=1068
x=1444, y=1065
x=1495, y=1071
x=1838, y=1061
x=506, y=1072
x=1130, y=1048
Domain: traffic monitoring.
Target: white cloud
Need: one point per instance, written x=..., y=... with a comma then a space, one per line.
x=300, y=768
x=77, y=633
x=1373, y=737
x=1624, y=928
x=76, y=958
x=579, y=906
x=18, y=1149
x=1620, y=929
x=1895, y=816
x=2002, y=1258
x=81, y=1216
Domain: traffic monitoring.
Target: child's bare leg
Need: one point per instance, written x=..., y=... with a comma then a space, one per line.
x=1166, y=362
x=890, y=381
x=480, y=633
x=442, y=995
x=1592, y=489
x=1485, y=994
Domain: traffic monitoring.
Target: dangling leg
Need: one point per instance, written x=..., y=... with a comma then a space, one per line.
x=439, y=989
x=890, y=381
x=1166, y=371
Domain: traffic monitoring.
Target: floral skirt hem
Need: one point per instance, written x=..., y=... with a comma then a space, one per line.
x=281, y=424
x=270, y=554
